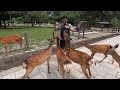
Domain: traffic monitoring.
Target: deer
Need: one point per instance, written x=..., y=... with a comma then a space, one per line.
x=98, y=48
x=12, y=39
x=64, y=62
x=79, y=57
x=114, y=55
x=38, y=59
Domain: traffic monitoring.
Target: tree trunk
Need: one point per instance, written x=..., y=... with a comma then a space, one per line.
x=0, y=22
x=79, y=33
x=32, y=23
x=4, y=23
x=8, y=23
x=27, y=25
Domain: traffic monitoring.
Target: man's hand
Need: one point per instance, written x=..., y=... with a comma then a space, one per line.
x=66, y=26
x=71, y=29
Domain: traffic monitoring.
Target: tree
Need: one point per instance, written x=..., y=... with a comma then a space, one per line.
x=7, y=15
x=74, y=16
x=36, y=16
x=93, y=17
x=4, y=15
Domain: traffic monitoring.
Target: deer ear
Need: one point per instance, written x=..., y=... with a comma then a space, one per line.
x=116, y=46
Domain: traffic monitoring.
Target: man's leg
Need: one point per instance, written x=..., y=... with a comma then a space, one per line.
x=62, y=44
x=68, y=43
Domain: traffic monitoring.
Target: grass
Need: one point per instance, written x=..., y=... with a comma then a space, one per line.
x=37, y=36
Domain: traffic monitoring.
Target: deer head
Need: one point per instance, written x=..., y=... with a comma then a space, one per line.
x=66, y=37
x=112, y=50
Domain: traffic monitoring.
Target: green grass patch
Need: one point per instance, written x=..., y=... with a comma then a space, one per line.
x=37, y=35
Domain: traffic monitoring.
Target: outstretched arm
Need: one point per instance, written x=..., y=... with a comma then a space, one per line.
x=70, y=28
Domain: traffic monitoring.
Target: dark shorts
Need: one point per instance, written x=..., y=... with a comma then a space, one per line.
x=62, y=44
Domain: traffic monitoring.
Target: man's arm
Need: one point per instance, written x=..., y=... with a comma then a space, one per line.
x=70, y=28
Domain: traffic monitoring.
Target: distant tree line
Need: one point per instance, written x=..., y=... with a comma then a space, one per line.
x=93, y=17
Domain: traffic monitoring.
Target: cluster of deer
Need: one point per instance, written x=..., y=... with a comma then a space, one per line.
x=65, y=59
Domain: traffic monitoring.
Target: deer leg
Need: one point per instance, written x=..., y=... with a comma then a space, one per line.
x=95, y=63
x=85, y=72
x=92, y=54
x=104, y=57
x=68, y=71
x=89, y=71
x=6, y=49
x=70, y=74
x=28, y=71
x=62, y=71
x=113, y=61
x=20, y=46
x=58, y=66
x=48, y=66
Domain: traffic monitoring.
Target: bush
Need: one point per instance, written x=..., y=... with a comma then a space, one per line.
x=115, y=22
x=13, y=20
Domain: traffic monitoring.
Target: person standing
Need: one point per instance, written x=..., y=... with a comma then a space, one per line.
x=63, y=27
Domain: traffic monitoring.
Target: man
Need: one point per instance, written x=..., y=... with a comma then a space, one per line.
x=63, y=27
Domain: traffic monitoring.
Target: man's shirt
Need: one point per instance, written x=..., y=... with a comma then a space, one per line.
x=62, y=29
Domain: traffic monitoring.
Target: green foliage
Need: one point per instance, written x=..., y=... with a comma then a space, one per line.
x=93, y=17
x=4, y=15
x=13, y=20
x=115, y=22
x=19, y=19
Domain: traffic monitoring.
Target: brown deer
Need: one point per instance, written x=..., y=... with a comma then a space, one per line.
x=12, y=39
x=114, y=55
x=38, y=59
x=98, y=48
x=79, y=57
x=64, y=63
